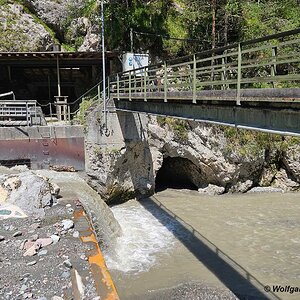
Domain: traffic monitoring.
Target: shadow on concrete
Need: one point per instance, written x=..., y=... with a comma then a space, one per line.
x=238, y=280
x=137, y=151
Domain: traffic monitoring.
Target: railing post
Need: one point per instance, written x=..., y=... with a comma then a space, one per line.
x=194, y=80
x=273, y=66
x=108, y=87
x=129, y=85
x=239, y=78
x=145, y=84
x=118, y=87
x=134, y=82
x=51, y=115
x=27, y=114
x=165, y=83
x=99, y=92
x=223, y=73
x=69, y=113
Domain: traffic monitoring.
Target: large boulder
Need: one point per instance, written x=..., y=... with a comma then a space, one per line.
x=283, y=181
x=28, y=191
x=291, y=161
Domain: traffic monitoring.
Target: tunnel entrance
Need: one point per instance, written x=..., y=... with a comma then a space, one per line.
x=177, y=173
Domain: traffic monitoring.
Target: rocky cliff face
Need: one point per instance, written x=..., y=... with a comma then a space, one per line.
x=21, y=31
x=35, y=25
x=203, y=155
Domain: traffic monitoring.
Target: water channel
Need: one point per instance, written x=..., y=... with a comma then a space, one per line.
x=183, y=245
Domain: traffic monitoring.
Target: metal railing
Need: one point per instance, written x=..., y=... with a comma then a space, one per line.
x=22, y=110
x=269, y=62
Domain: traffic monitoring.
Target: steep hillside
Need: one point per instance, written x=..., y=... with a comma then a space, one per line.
x=22, y=31
x=166, y=28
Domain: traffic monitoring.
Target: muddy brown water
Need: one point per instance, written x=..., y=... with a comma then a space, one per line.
x=237, y=243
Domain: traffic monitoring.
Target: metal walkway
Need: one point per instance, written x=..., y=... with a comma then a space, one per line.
x=253, y=84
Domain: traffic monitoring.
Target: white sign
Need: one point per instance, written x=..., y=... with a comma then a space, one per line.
x=133, y=61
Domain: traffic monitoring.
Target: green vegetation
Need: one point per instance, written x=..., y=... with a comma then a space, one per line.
x=182, y=19
x=192, y=19
x=252, y=143
x=85, y=104
x=179, y=127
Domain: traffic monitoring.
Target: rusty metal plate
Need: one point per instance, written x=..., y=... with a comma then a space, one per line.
x=45, y=152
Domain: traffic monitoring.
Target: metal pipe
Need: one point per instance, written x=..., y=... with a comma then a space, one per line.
x=8, y=94
x=103, y=65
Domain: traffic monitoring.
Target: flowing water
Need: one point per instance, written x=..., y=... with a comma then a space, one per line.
x=182, y=245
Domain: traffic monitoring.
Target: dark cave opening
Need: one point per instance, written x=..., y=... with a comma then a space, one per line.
x=176, y=173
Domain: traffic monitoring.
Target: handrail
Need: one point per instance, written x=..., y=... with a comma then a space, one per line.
x=8, y=94
x=86, y=93
x=224, y=48
x=232, y=67
x=266, y=65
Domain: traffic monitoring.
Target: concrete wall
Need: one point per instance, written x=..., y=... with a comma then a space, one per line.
x=43, y=146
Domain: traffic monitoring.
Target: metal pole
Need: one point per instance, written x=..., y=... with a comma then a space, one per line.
x=103, y=65
x=58, y=76
x=131, y=40
x=239, y=77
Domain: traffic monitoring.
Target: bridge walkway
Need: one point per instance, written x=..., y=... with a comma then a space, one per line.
x=252, y=84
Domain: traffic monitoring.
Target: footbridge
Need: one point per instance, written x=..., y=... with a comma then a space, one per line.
x=252, y=84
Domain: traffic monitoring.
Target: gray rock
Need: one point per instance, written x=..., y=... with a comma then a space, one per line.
x=83, y=257
x=31, y=195
x=67, y=224
x=212, y=190
x=283, y=181
x=67, y=263
x=34, y=237
x=76, y=234
x=2, y=238
x=17, y=233
x=55, y=238
x=31, y=263
x=23, y=287
x=261, y=189
x=70, y=211
x=241, y=187
x=42, y=252
x=291, y=161
x=65, y=274
x=57, y=298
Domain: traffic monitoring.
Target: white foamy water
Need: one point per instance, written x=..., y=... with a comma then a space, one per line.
x=143, y=238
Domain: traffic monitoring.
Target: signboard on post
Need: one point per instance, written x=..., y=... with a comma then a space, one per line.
x=133, y=61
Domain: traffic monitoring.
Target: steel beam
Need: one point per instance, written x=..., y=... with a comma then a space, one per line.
x=273, y=120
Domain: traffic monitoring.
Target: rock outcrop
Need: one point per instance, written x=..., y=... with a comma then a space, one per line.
x=20, y=31
x=35, y=25
x=196, y=153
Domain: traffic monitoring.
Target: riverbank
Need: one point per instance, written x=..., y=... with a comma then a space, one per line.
x=51, y=252
x=233, y=242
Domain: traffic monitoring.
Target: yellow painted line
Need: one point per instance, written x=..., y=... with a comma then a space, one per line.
x=97, y=263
